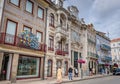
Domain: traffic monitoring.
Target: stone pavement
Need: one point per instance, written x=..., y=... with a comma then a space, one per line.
x=53, y=81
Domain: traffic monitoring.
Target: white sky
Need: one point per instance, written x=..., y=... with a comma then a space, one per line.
x=104, y=14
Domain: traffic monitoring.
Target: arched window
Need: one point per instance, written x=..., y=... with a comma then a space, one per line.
x=51, y=22
x=49, y=69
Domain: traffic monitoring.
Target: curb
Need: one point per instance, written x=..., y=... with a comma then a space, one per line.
x=83, y=79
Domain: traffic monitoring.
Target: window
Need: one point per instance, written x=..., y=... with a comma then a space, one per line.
x=51, y=43
x=60, y=45
x=15, y=2
x=27, y=29
x=113, y=44
x=39, y=36
x=28, y=67
x=29, y=6
x=40, y=12
x=10, y=32
x=60, y=3
x=66, y=47
x=114, y=50
x=49, y=71
x=51, y=20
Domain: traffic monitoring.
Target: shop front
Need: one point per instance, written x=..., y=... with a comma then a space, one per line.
x=28, y=67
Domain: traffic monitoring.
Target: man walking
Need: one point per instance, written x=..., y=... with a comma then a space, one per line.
x=70, y=73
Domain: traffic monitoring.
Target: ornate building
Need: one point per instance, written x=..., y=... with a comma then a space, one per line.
x=57, y=39
x=89, y=48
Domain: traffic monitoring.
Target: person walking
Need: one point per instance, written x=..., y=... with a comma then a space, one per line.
x=90, y=71
x=70, y=71
x=59, y=75
x=93, y=70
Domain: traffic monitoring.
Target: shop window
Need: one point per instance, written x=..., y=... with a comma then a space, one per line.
x=40, y=12
x=28, y=67
x=29, y=6
x=49, y=71
x=15, y=2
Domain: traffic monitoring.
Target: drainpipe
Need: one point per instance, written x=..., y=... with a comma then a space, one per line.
x=2, y=8
x=45, y=46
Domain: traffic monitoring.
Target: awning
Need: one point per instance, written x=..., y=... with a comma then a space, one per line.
x=80, y=61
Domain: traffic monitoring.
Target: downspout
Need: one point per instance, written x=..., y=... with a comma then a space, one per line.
x=45, y=46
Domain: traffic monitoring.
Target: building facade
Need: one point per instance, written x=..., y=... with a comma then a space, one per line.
x=22, y=39
x=115, y=51
x=103, y=50
x=90, y=49
x=57, y=39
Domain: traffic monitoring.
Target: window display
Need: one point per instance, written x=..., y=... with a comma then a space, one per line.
x=28, y=67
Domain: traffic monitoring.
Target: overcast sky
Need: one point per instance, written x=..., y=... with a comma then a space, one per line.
x=104, y=14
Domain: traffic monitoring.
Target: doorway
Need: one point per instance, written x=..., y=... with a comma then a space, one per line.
x=6, y=66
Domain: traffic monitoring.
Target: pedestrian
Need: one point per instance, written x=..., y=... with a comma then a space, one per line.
x=76, y=72
x=90, y=70
x=70, y=71
x=93, y=70
x=59, y=75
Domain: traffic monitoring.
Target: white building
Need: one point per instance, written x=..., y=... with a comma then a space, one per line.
x=115, y=50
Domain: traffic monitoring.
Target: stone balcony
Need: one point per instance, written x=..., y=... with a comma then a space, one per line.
x=62, y=32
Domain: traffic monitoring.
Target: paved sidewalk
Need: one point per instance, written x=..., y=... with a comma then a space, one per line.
x=53, y=81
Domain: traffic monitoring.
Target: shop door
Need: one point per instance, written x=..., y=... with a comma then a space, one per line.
x=5, y=70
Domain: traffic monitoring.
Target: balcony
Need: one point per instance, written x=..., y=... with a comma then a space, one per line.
x=62, y=32
x=91, y=41
x=105, y=47
x=50, y=48
x=107, y=58
x=20, y=42
x=60, y=52
x=90, y=54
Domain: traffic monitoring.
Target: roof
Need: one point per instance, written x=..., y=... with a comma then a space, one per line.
x=115, y=40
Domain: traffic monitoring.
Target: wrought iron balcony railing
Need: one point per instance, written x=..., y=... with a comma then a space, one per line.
x=20, y=42
x=60, y=52
x=93, y=55
x=105, y=47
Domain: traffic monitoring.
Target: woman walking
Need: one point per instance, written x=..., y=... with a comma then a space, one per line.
x=59, y=75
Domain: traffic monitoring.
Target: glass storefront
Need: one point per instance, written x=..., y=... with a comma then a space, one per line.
x=28, y=67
